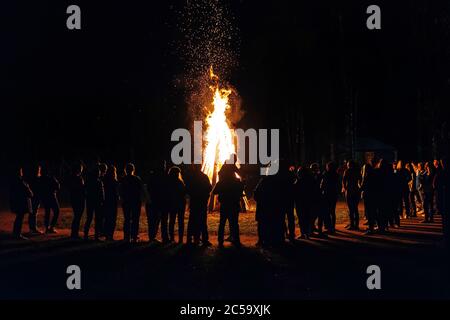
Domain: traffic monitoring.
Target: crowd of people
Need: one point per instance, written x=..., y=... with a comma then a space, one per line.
x=99, y=193
x=390, y=192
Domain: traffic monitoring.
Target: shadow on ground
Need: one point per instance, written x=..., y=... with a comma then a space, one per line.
x=411, y=258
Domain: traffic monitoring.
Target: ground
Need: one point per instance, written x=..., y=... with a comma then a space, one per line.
x=411, y=258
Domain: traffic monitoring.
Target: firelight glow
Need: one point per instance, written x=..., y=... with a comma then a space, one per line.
x=219, y=137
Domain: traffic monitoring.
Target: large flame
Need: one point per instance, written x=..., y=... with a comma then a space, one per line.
x=219, y=137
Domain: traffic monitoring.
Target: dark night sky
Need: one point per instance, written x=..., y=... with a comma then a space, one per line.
x=109, y=88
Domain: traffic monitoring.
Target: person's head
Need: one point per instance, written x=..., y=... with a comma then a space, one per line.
x=383, y=165
x=367, y=168
x=38, y=170
x=232, y=159
x=444, y=163
x=331, y=166
x=351, y=164
x=227, y=172
x=94, y=172
x=420, y=166
x=130, y=169
x=428, y=167
x=174, y=172
x=408, y=166
x=112, y=172
x=303, y=172
x=436, y=164
x=315, y=168
x=19, y=171
x=299, y=171
x=103, y=168
x=399, y=165
x=78, y=169
x=45, y=171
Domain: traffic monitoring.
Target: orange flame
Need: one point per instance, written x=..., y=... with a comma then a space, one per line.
x=219, y=137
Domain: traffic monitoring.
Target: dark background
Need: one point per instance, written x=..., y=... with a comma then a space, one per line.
x=311, y=68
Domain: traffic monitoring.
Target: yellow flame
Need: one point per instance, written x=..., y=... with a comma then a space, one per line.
x=219, y=137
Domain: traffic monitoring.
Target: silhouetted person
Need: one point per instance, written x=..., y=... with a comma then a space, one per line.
x=396, y=189
x=260, y=195
x=20, y=202
x=35, y=183
x=419, y=169
x=317, y=201
x=101, y=216
x=198, y=187
x=404, y=177
x=351, y=182
x=103, y=167
x=434, y=168
x=157, y=204
x=385, y=198
x=304, y=188
x=369, y=188
x=287, y=177
x=330, y=187
x=443, y=185
x=131, y=190
x=270, y=195
x=439, y=181
x=177, y=203
x=49, y=197
x=426, y=188
x=412, y=189
x=77, y=190
x=111, y=185
x=395, y=193
x=230, y=166
x=95, y=197
x=230, y=190
x=289, y=203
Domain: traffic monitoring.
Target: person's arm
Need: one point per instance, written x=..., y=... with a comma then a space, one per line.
x=436, y=181
x=27, y=190
x=344, y=181
x=217, y=188
x=183, y=189
x=323, y=183
x=241, y=189
x=208, y=183
x=146, y=194
x=257, y=191
x=57, y=184
x=101, y=191
x=420, y=181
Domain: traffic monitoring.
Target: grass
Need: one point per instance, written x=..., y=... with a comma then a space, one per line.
x=247, y=221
